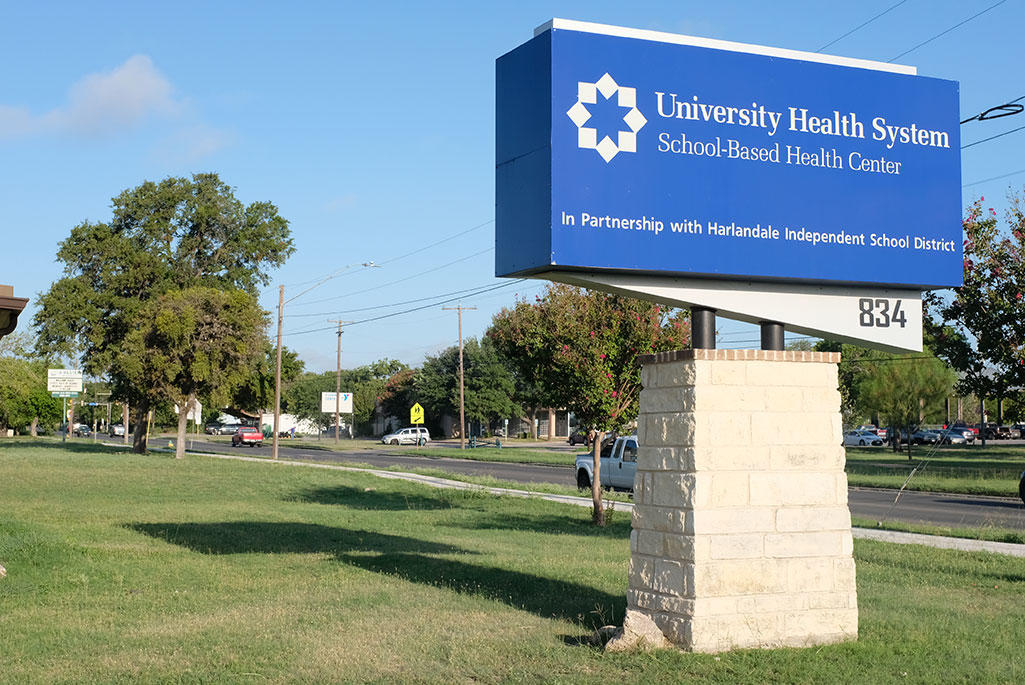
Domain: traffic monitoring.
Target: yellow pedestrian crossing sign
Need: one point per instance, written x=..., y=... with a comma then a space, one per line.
x=416, y=414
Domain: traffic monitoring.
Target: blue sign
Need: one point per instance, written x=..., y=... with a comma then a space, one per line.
x=626, y=154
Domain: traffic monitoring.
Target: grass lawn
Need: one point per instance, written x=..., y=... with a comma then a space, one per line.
x=971, y=470
x=140, y=567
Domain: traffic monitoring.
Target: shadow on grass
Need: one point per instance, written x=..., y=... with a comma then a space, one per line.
x=401, y=557
x=574, y=523
x=546, y=597
x=76, y=445
x=358, y=498
x=272, y=537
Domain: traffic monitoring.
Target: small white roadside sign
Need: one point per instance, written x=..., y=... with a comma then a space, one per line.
x=63, y=380
x=327, y=403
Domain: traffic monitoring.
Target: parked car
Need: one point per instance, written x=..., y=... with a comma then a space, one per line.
x=116, y=430
x=862, y=438
x=618, y=465
x=925, y=437
x=214, y=428
x=417, y=435
x=955, y=436
x=579, y=437
x=247, y=435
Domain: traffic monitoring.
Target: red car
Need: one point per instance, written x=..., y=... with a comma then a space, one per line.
x=247, y=435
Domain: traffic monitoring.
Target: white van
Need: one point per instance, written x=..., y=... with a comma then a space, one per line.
x=408, y=436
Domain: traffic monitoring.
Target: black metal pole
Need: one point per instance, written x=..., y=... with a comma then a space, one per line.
x=772, y=335
x=702, y=328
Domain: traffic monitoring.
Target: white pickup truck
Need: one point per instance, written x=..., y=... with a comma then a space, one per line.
x=618, y=465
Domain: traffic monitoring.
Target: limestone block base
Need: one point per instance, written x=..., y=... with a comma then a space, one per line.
x=741, y=532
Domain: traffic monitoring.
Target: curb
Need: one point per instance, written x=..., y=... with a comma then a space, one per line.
x=900, y=538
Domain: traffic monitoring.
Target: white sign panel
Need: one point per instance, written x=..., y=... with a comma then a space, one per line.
x=327, y=403
x=883, y=318
x=63, y=380
x=195, y=413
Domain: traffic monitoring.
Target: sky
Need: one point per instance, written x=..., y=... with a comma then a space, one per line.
x=371, y=127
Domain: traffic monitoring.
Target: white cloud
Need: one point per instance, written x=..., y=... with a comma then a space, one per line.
x=100, y=104
x=191, y=143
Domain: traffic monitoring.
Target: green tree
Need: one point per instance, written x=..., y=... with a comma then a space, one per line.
x=900, y=387
x=488, y=384
x=257, y=391
x=367, y=383
x=24, y=400
x=979, y=328
x=173, y=235
x=399, y=394
x=191, y=343
x=581, y=347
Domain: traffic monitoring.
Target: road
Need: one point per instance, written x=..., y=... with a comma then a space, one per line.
x=966, y=511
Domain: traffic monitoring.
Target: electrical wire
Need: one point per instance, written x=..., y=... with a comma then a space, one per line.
x=999, y=135
x=438, y=242
x=1005, y=110
x=411, y=309
x=401, y=280
x=861, y=26
x=386, y=306
x=943, y=33
x=994, y=178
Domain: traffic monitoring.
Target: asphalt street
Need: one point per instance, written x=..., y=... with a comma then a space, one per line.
x=967, y=511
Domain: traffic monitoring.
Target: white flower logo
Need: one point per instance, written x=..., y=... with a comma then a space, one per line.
x=587, y=138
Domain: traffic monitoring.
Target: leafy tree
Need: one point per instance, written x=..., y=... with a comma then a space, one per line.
x=399, y=393
x=24, y=400
x=367, y=383
x=173, y=235
x=899, y=387
x=979, y=328
x=257, y=391
x=194, y=342
x=581, y=347
x=488, y=384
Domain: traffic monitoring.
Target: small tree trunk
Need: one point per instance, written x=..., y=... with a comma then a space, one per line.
x=183, y=423
x=598, y=516
x=139, y=437
x=125, y=420
x=532, y=424
x=909, y=442
x=34, y=428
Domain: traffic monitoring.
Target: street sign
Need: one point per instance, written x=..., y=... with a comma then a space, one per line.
x=64, y=380
x=647, y=152
x=63, y=393
x=327, y=403
x=416, y=414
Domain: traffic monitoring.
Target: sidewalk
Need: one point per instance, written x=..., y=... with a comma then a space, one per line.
x=939, y=541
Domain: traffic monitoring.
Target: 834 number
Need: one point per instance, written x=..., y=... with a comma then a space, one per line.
x=878, y=313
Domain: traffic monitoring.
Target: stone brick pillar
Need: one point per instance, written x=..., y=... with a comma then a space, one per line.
x=741, y=532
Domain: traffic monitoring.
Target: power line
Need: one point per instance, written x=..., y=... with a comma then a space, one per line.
x=943, y=33
x=986, y=140
x=401, y=280
x=439, y=242
x=413, y=309
x=994, y=178
x=395, y=259
x=1005, y=110
x=386, y=306
x=861, y=26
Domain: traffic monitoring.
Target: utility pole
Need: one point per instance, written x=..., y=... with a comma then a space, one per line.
x=277, y=374
x=462, y=414
x=277, y=369
x=338, y=381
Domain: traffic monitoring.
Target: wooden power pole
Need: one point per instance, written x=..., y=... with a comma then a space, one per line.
x=462, y=414
x=277, y=374
x=338, y=383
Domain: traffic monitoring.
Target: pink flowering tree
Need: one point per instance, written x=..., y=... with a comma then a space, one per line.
x=979, y=328
x=581, y=348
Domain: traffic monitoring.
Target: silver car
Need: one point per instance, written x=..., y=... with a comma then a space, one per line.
x=408, y=436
